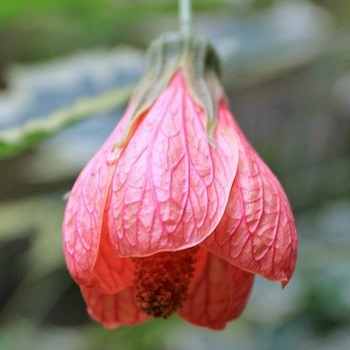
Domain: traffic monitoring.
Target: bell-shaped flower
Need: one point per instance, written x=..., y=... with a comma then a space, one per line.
x=176, y=212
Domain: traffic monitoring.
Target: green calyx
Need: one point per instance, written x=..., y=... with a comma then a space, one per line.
x=200, y=65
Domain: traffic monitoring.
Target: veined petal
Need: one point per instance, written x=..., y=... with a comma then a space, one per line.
x=85, y=208
x=257, y=232
x=171, y=186
x=218, y=295
x=113, y=310
x=111, y=273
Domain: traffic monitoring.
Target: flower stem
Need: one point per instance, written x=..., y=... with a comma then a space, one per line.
x=185, y=17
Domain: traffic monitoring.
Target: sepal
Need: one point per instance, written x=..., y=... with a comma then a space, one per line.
x=200, y=65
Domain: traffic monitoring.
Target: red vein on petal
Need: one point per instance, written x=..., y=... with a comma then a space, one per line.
x=159, y=223
x=272, y=249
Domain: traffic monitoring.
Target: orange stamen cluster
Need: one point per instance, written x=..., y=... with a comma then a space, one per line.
x=162, y=281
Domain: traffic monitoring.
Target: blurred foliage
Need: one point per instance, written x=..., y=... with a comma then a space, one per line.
x=289, y=89
x=17, y=139
x=37, y=29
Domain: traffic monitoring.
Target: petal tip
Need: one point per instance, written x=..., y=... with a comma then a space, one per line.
x=285, y=280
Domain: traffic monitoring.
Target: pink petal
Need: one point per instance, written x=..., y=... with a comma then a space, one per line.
x=111, y=273
x=85, y=208
x=257, y=232
x=218, y=295
x=113, y=310
x=171, y=186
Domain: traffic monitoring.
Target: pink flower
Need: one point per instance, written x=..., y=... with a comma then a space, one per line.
x=167, y=222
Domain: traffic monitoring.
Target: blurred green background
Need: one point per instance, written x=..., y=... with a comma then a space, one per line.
x=286, y=68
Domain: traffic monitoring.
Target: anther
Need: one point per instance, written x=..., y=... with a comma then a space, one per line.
x=162, y=281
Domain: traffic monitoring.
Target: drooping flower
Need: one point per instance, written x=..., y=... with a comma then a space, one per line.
x=176, y=212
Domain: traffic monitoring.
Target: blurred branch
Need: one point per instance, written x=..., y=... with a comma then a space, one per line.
x=17, y=139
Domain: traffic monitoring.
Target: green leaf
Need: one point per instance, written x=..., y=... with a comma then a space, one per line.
x=17, y=139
